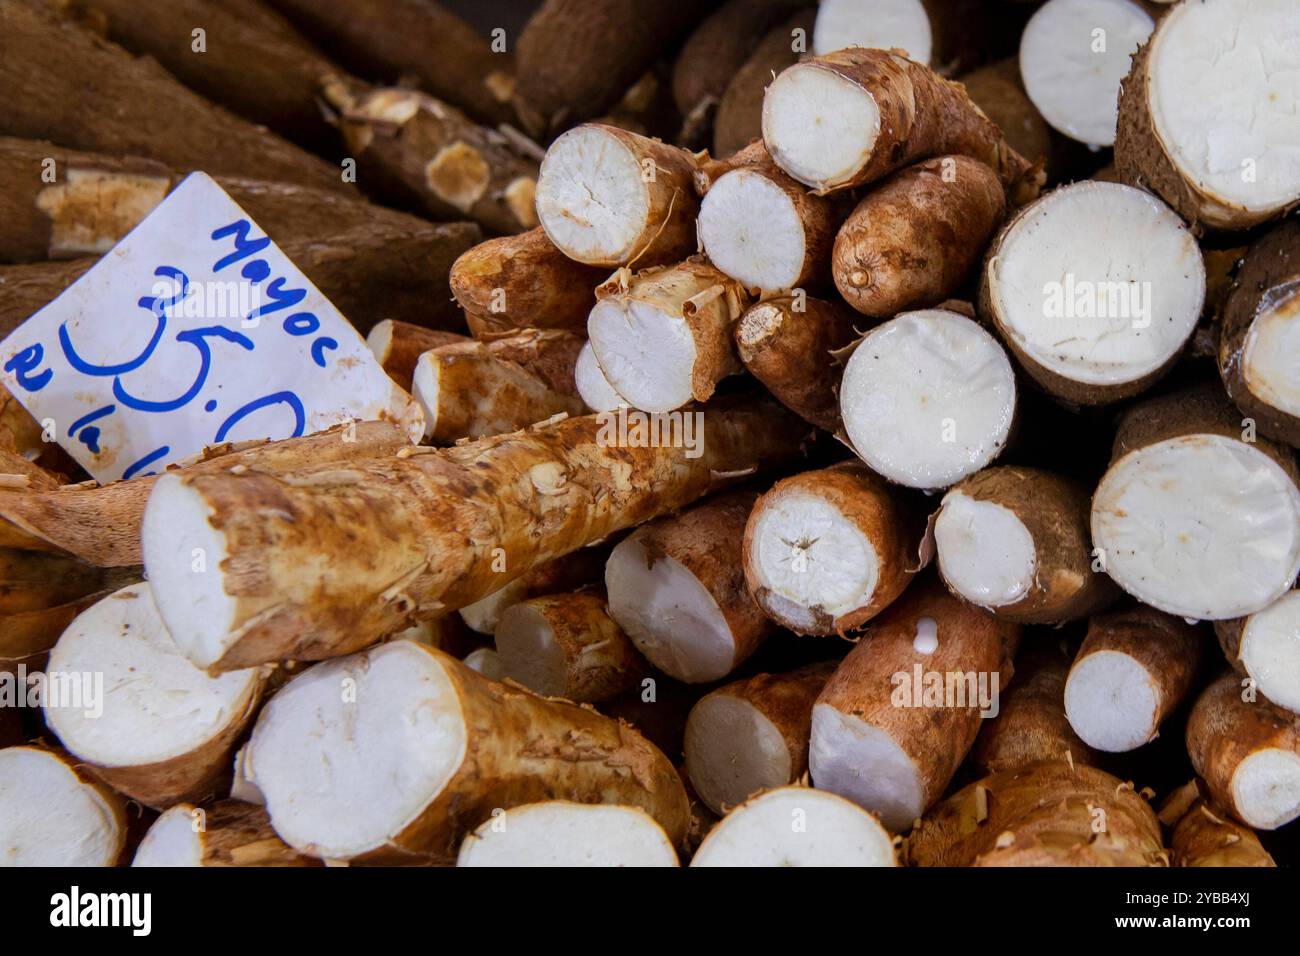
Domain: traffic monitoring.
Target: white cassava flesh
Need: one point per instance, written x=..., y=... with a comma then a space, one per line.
x=594, y=225
x=649, y=352
x=158, y=708
x=1072, y=71
x=1097, y=286
x=986, y=554
x=49, y=816
x=560, y=833
x=751, y=230
x=593, y=386
x=1268, y=650
x=1201, y=526
x=804, y=100
x=173, y=840
x=928, y=398
x=882, y=24
x=1270, y=356
x=797, y=826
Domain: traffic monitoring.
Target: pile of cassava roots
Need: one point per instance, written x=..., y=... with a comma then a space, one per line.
x=855, y=434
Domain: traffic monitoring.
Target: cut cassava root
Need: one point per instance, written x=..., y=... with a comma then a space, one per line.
x=1095, y=288
x=561, y=833
x=900, y=712
x=1015, y=540
x=163, y=731
x=52, y=814
x=397, y=346
x=227, y=833
x=1193, y=517
x=825, y=551
x=1133, y=670
x=928, y=398
x=1247, y=753
x=1265, y=646
x=1203, y=835
x=568, y=573
x=739, y=119
x=797, y=826
x=752, y=735
x=677, y=589
x=426, y=532
x=340, y=784
x=915, y=236
x=1202, y=126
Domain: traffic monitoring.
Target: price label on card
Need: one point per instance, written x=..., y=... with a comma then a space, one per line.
x=194, y=330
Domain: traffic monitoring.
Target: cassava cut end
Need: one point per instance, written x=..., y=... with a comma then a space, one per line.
x=787, y=344
x=1259, y=343
x=914, y=238
x=1191, y=517
x=593, y=387
x=1247, y=753
x=395, y=755
x=560, y=833
x=764, y=229
x=523, y=282
x=899, y=714
x=164, y=730
x=329, y=559
x=52, y=815
x=676, y=587
x=609, y=197
x=567, y=645
x=1071, y=76
x=1015, y=540
x=1031, y=724
x=752, y=735
x=928, y=398
x=827, y=550
x=397, y=346
x=1044, y=814
x=877, y=24
x=663, y=337
x=228, y=833
x=1265, y=646
x=1205, y=118
x=569, y=573
x=797, y=826
x=1095, y=288
x=1133, y=670
x=853, y=116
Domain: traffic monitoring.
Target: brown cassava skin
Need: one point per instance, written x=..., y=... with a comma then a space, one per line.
x=819, y=216
x=234, y=833
x=391, y=39
x=1169, y=649
x=1142, y=158
x=11, y=725
x=1268, y=281
x=21, y=439
x=522, y=748
x=970, y=640
x=785, y=701
x=484, y=390
x=374, y=271
x=65, y=84
x=1031, y=724
x=101, y=524
x=395, y=541
x=1223, y=730
x=600, y=660
x=424, y=151
x=1049, y=813
x=997, y=90
x=709, y=302
x=707, y=541
x=739, y=118
x=719, y=46
x=398, y=345
x=26, y=637
x=550, y=354
x=791, y=353
x=521, y=282
x=668, y=233
x=914, y=238
x=568, y=573
x=267, y=76
x=576, y=57
x=875, y=509
x=1204, y=837
x=19, y=474
x=33, y=581
x=923, y=115
x=96, y=200
x=1054, y=509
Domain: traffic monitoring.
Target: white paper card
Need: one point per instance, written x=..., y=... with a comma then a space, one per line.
x=194, y=330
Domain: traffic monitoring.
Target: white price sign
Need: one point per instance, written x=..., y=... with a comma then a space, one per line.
x=194, y=330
